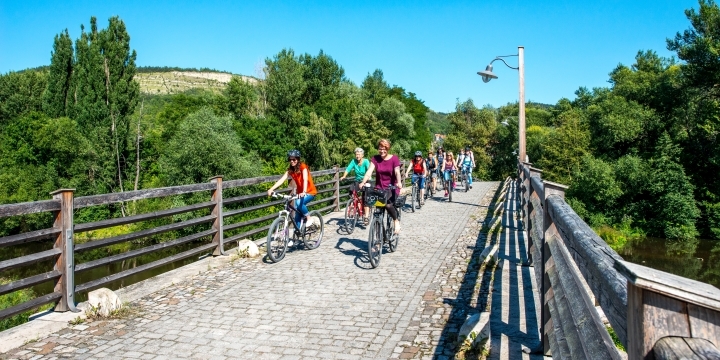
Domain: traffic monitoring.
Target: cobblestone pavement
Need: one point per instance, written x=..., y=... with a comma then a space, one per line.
x=324, y=303
x=458, y=289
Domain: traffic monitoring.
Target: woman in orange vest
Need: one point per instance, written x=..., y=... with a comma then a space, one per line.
x=304, y=186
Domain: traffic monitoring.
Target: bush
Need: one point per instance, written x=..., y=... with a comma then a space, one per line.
x=205, y=145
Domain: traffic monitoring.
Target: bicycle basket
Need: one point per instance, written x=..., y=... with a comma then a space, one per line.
x=400, y=201
x=376, y=198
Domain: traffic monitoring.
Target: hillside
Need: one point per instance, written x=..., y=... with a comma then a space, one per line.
x=173, y=82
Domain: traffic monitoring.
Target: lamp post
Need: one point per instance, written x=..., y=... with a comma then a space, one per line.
x=488, y=75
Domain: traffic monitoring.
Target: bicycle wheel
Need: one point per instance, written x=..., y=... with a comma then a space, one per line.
x=449, y=186
x=392, y=237
x=467, y=184
x=419, y=199
x=314, y=232
x=412, y=198
x=375, y=242
x=351, y=216
x=277, y=241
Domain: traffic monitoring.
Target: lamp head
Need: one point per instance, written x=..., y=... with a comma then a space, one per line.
x=487, y=75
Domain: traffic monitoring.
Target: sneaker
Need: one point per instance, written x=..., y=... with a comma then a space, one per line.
x=290, y=243
x=471, y=186
x=366, y=220
x=446, y=193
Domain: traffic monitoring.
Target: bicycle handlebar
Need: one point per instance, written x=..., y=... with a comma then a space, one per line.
x=286, y=197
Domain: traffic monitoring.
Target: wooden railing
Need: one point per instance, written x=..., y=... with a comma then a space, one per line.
x=215, y=238
x=655, y=315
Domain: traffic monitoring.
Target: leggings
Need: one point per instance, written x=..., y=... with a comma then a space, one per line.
x=301, y=206
x=390, y=206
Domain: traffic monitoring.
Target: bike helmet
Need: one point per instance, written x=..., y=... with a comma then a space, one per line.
x=418, y=153
x=294, y=153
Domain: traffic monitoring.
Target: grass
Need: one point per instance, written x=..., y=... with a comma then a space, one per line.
x=615, y=339
x=620, y=235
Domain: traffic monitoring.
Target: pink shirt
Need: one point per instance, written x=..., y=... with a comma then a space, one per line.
x=385, y=172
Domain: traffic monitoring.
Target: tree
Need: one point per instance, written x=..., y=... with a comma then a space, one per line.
x=472, y=127
x=55, y=98
x=105, y=94
x=205, y=145
x=565, y=147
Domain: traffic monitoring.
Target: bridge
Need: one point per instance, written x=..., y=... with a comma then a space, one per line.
x=512, y=252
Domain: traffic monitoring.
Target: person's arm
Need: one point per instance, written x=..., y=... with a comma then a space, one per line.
x=425, y=169
x=347, y=171
x=305, y=182
x=368, y=173
x=278, y=183
x=407, y=172
x=397, y=176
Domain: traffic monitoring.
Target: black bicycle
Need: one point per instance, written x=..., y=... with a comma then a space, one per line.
x=381, y=232
x=309, y=233
x=415, y=197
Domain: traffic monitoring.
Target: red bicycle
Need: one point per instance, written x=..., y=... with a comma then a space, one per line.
x=354, y=210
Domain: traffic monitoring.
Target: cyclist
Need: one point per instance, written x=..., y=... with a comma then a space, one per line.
x=441, y=160
x=468, y=163
x=420, y=171
x=432, y=166
x=449, y=171
x=388, y=173
x=359, y=165
x=305, y=188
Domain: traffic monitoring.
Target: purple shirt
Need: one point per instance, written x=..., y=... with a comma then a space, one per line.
x=385, y=172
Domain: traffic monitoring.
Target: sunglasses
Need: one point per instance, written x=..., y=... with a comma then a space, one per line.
x=292, y=159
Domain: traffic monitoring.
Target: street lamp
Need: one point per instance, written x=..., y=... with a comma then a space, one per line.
x=488, y=75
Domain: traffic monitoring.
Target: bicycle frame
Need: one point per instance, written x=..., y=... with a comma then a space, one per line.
x=358, y=203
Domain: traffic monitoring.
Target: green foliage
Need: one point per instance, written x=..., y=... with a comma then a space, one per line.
x=565, y=148
x=20, y=94
x=55, y=98
x=205, y=145
x=472, y=127
x=12, y=299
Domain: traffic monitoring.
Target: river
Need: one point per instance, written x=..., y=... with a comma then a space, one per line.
x=697, y=259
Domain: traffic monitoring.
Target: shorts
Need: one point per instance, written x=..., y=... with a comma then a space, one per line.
x=421, y=181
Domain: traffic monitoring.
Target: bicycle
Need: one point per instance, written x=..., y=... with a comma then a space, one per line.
x=447, y=184
x=355, y=208
x=416, y=194
x=429, y=192
x=464, y=178
x=381, y=234
x=278, y=234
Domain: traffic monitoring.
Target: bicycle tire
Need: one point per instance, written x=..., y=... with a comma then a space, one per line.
x=313, y=235
x=467, y=184
x=419, y=199
x=375, y=241
x=450, y=191
x=392, y=237
x=412, y=198
x=351, y=216
x=277, y=241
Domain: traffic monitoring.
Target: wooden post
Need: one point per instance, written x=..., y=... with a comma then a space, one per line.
x=546, y=293
x=337, y=187
x=217, y=211
x=529, y=210
x=65, y=263
x=525, y=181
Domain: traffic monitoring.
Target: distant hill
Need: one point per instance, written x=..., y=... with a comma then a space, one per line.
x=171, y=80
x=437, y=122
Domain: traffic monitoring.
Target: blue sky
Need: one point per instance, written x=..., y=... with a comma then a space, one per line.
x=431, y=48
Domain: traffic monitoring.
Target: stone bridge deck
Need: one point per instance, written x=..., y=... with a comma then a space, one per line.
x=326, y=303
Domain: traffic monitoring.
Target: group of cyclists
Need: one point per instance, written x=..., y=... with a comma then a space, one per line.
x=387, y=175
